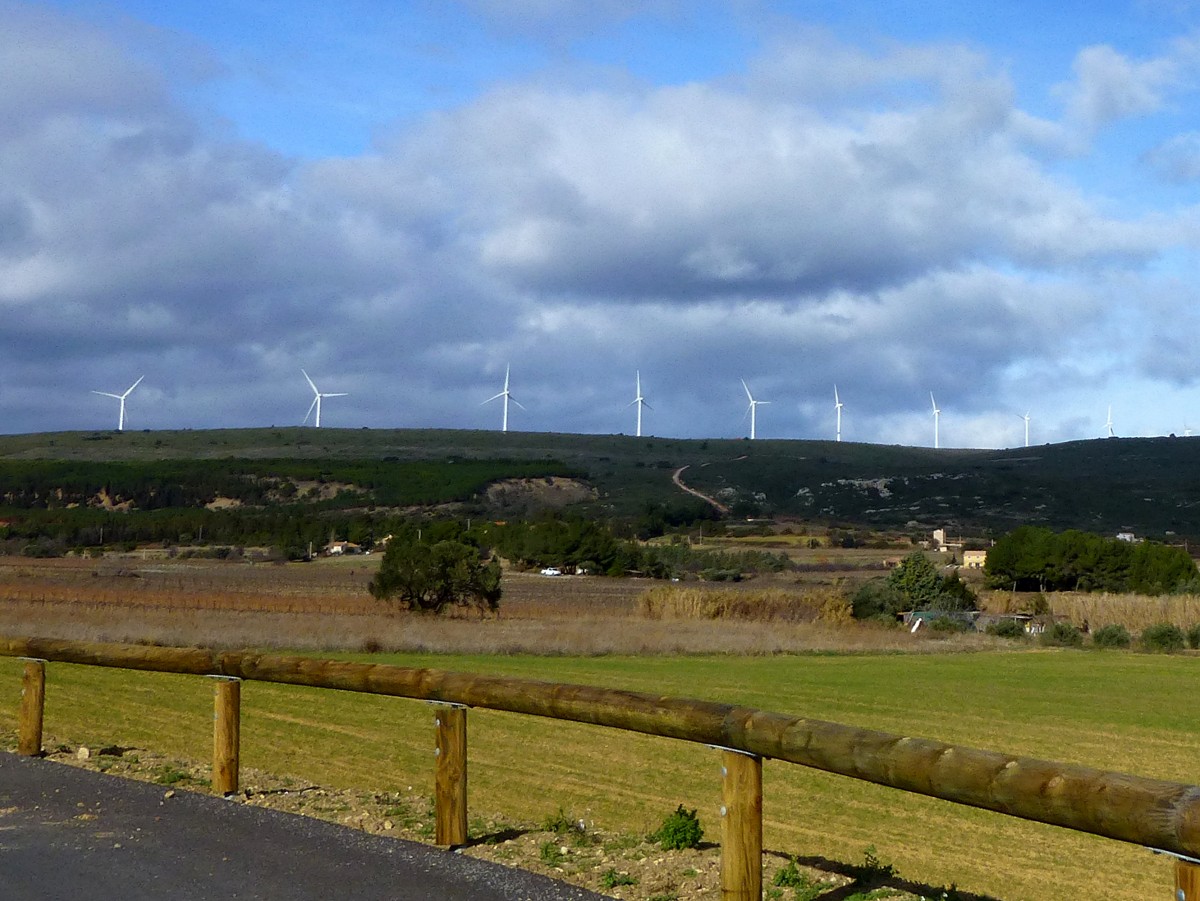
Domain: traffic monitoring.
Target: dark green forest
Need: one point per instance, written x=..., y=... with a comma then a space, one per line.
x=1037, y=559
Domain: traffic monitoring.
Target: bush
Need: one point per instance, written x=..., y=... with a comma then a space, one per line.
x=877, y=598
x=1163, y=638
x=1006, y=628
x=947, y=625
x=1193, y=637
x=1062, y=635
x=1114, y=635
x=679, y=830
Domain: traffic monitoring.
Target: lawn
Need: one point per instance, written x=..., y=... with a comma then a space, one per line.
x=1113, y=710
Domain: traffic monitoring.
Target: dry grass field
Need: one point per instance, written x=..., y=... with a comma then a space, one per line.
x=324, y=605
x=1121, y=711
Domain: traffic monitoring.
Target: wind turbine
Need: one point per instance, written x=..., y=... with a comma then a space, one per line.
x=317, y=395
x=936, y=416
x=837, y=405
x=507, y=395
x=640, y=401
x=753, y=407
x=1026, y=418
x=1109, y=425
x=121, y=398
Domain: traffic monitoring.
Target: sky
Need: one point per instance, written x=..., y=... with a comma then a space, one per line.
x=998, y=207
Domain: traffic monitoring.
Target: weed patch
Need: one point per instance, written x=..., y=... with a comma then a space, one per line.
x=679, y=830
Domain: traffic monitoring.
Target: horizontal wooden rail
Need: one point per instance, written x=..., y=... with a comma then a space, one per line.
x=1150, y=812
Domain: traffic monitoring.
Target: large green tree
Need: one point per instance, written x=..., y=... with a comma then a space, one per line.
x=432, y=577
x=914, y=584
x=1036, y=559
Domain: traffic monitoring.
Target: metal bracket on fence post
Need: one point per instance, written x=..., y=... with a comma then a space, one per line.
x=227, y=701
x=1187, y=875
x=741, y=825
x=450, y=774
x=33, y=706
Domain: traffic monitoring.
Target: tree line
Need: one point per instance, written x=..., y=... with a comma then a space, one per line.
x=175, y=484
x=1032, y=558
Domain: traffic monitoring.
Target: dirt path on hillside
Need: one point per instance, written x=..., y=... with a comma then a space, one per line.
x=677, y=478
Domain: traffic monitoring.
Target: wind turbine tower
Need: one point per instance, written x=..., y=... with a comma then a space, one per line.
x=317, y=397
x=640, y=401
x=837, y=405
x=121, y=398
x=753, y=408
x=1026, y=418
x=507, y=395
x=936, y=417
x=1109, y=423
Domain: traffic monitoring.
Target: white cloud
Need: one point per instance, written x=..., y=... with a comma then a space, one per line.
x=1109, y=86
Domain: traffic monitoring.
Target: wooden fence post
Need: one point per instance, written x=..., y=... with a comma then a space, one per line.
x=450, y=783
x=33, y=703
x=1187, y=880
x=227, y=731
x=741, y=826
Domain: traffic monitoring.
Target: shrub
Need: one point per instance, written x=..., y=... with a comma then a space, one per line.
x=679, y=830
x=877, y=598
x=947, y=625
x=1163, y=638
x=1114, y=635
x=1062, y=635
x=561, y=824
x=1006, y=628
x=610, y=878
x=1193, y=637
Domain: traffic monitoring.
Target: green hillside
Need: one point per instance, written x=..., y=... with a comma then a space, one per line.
x=1149, y=486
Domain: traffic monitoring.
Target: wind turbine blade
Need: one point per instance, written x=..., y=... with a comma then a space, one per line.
x=337, y=394
x=311, y=384
x=310, y=409
x=107, y=394
x=492, y=398
x=517, y=402
x=129, y=390
x=747, y=387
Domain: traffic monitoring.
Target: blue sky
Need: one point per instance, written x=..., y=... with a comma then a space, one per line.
x=996, y=205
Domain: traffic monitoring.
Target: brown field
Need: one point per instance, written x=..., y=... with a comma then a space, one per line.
x=324, y=605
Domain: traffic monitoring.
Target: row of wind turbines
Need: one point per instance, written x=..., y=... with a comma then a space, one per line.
x=318, y=396
x=639, y=401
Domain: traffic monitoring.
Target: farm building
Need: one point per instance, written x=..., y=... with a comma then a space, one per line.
x=974, y=559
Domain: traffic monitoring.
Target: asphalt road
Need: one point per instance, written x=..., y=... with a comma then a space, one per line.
x=68, y=833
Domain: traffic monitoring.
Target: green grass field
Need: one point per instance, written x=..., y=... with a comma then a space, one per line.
x=1118, y=711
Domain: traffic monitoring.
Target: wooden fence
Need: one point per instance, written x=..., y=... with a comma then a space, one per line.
x=1157, y=814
